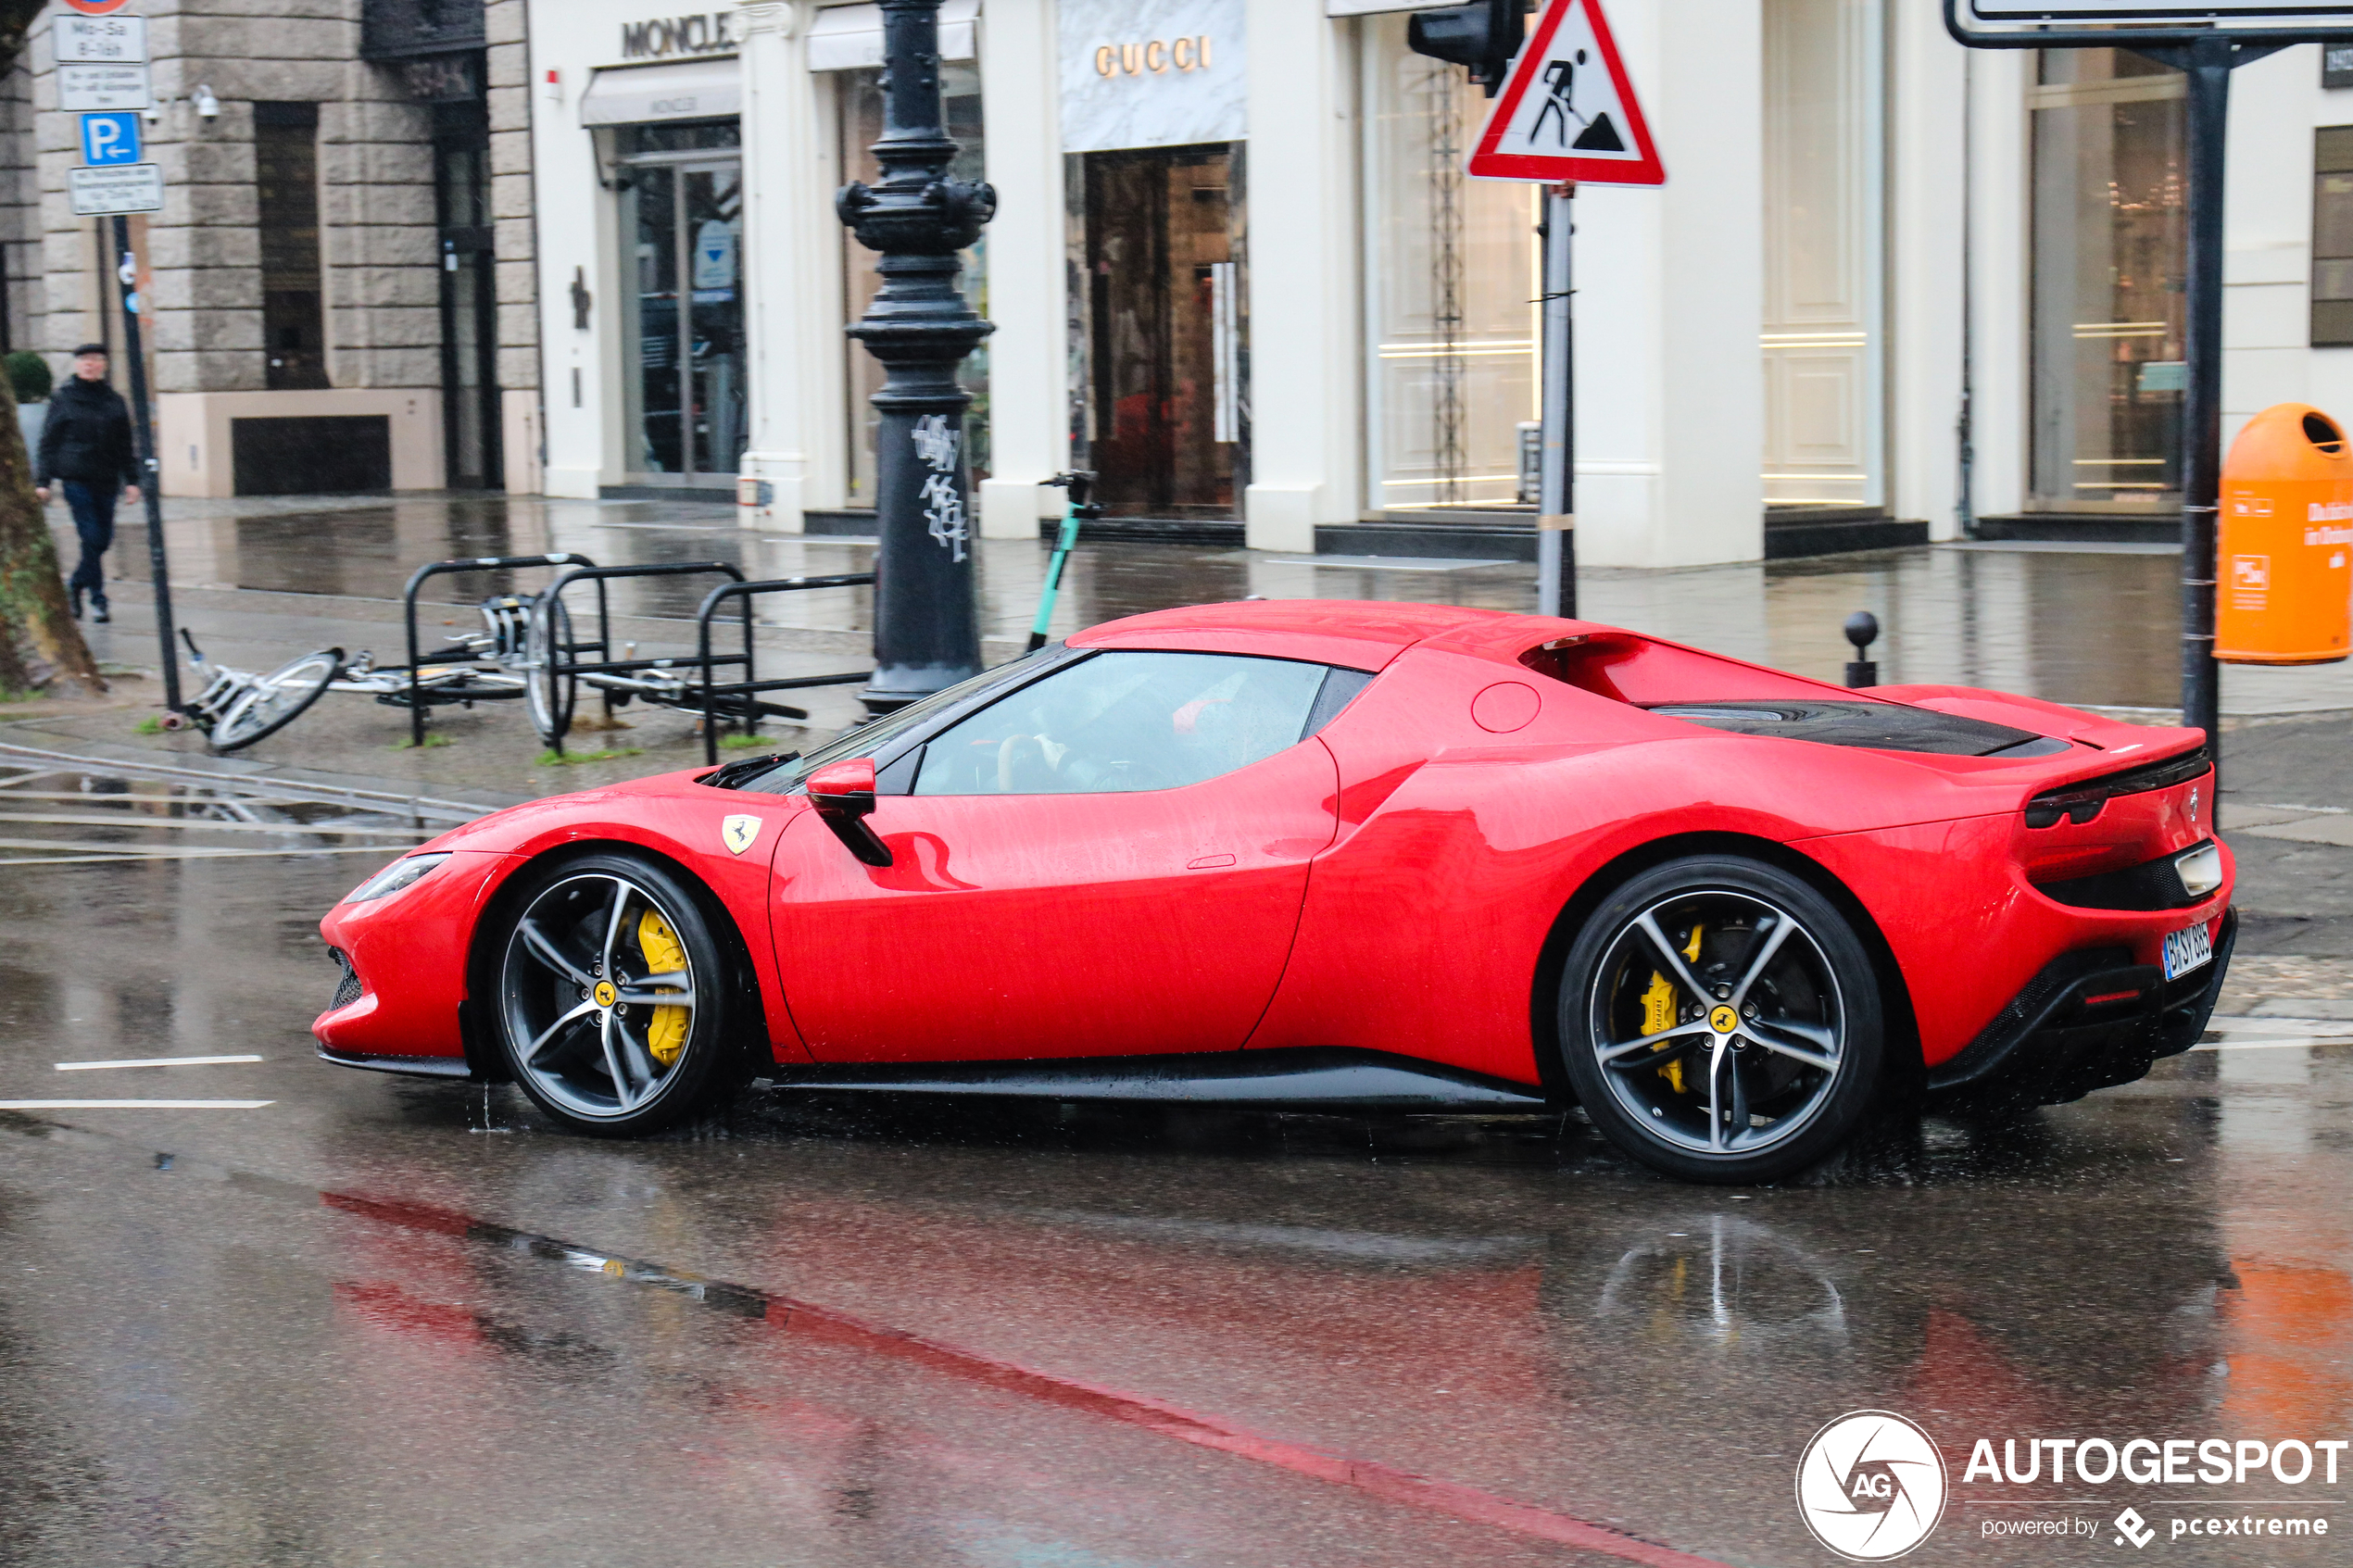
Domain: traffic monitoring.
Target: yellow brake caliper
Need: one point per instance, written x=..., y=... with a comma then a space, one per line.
x=1658, y=1012
x=666, y=1036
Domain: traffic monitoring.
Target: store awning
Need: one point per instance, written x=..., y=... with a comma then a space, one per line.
x=688, y=90
x=849, y=37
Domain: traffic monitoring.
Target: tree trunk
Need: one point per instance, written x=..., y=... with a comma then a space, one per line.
x=41, y=648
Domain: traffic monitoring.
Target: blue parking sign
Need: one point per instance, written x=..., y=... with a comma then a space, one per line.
x=111, y=138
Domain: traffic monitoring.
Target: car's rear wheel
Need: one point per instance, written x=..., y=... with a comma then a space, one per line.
x=613, y=996
x=1720, y=1020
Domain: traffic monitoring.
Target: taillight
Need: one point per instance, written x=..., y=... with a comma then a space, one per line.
x=2082, y=802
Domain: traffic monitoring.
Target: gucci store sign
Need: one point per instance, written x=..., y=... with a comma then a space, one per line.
x=1151, y=74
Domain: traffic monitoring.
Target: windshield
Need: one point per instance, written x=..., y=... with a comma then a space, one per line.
x=872, y=739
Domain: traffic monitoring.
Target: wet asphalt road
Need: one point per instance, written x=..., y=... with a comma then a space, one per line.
x=382, y=1321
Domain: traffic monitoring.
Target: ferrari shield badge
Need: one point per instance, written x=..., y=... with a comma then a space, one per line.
x=738, y=832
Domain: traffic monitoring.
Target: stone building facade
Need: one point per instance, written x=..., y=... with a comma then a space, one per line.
x=339, y=286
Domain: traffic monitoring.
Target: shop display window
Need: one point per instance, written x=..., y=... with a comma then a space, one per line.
x=681, y=224
x=2111, y=248
x=1452, y=277
x=2333, y=237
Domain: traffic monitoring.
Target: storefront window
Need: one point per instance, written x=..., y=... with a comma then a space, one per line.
x=682, y=234
x=860, y=103
x=2110, y=250
x=1451, y=279
x=2333, y=237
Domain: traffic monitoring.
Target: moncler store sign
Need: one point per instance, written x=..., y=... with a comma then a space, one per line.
x=1150, y=73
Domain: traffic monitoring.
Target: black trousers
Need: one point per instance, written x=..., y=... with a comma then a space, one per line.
x=92, y=508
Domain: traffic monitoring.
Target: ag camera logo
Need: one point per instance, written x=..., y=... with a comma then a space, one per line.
x=1870, y=1485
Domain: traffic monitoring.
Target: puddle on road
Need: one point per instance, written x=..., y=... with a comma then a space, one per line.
x=81, y=814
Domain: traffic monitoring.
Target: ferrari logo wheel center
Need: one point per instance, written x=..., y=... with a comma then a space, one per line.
x=606, y=996
x=1723, y=1019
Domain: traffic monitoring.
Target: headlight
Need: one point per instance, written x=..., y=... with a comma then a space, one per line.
x=394, y=877
x=2199, y=869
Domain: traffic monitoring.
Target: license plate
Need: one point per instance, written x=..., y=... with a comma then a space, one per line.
x=2186, y=951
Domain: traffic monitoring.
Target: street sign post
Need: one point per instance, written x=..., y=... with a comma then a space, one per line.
x=88, y=88
x=2205, y=42
x=143, y=434
x=2271, y=15
x=110, y=139
x=80, y=40
x=102, y=71
x=130, y=187
x=1566, y=114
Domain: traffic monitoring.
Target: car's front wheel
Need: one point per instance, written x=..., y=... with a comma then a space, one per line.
x=613, y=996
x=1720, y=1020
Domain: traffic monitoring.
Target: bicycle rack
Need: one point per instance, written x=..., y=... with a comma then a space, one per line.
x=563, y=665
x=416, y=699
x=748, y=689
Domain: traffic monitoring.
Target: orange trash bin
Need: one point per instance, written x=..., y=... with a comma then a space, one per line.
x=2283, y=593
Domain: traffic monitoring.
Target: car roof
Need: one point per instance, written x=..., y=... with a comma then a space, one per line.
x=1357, y=633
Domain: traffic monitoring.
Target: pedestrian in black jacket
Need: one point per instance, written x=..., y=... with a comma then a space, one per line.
x=86, y=445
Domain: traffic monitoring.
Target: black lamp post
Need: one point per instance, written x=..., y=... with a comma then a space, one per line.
x=926, y=632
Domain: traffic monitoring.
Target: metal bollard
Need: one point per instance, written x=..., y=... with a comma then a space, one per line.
x=1862, y=628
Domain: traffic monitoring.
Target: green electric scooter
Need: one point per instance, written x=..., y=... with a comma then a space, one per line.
x=1075, y=510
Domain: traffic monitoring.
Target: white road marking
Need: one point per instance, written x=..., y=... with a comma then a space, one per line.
x=155, y=1061
x=134, y=1104
x=2300, y=1042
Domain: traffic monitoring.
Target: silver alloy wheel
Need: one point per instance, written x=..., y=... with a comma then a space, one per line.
x=583, y=1002
x=1717, y=1019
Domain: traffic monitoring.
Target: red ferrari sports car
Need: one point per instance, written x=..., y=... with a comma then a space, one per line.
x=1348, y=855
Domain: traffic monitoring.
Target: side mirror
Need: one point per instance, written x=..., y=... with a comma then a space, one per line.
x=843, y=794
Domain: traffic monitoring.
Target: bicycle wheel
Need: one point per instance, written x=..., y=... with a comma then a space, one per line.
x=276, y=700
x=551, y=697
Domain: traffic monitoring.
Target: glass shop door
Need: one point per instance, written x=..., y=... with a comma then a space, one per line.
x=1166, y=416
x=682, y=230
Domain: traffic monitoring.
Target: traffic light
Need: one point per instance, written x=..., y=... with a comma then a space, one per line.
x=1482, y=37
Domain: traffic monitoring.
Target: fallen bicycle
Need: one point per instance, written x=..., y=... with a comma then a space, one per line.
x=526, y=649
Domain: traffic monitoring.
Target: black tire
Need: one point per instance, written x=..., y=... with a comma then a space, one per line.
x=276, y=700
x=551, y=697
x=590, y=1049
x=1750, y=1076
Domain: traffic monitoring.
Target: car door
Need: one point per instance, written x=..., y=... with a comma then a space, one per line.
x=1108, y=861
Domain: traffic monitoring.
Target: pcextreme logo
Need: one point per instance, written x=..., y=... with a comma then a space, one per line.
x=1870, y=1485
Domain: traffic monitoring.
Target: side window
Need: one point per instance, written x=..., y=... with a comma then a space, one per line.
x=1122, y=722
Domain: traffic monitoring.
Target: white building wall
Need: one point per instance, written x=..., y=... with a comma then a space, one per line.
x=1926, y=105
x=1998, y=245
x=1028, y=290
x=2267, y=261
x=585, y=443
x=1669, y=281
x=793, y=300
x=1669, y=301
x=1306, y=354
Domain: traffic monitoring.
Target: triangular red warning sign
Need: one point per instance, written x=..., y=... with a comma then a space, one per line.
x=1567, y=112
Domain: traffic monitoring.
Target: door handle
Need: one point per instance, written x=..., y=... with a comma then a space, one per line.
x=1208, y=862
